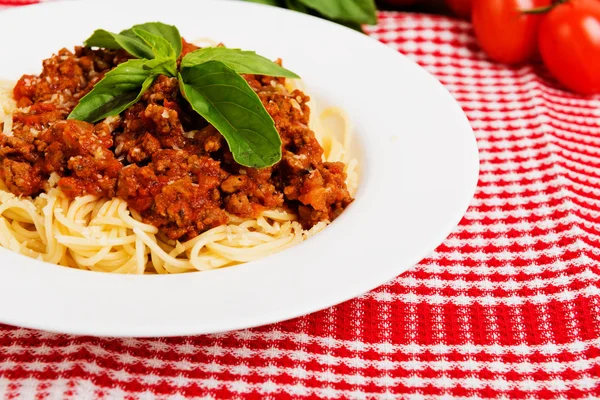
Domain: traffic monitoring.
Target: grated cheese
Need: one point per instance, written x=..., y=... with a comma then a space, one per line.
x=53, y=179
x=8, y=122
x=295, y=104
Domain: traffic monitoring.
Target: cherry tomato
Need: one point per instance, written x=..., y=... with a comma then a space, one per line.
x=569, y=41
x=461, y=8
x=504, y=32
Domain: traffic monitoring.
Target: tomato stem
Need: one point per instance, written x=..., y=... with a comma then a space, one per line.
x=538, y=10
x=544, y=9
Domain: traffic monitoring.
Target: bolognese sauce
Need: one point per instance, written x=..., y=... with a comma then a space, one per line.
x=168, y=163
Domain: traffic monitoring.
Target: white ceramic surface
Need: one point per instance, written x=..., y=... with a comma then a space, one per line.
x=418, y=156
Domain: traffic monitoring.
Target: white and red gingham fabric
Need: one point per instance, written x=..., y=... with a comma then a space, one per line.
x=507, y=307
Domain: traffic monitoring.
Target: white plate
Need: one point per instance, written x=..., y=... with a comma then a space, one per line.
x=418, y=156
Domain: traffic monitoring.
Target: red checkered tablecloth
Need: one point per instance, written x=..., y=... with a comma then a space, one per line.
x=507, y=307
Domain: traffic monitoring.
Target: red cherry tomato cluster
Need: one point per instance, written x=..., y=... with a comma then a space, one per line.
x=565, y=33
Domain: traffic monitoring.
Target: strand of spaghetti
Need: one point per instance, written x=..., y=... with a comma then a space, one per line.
x=55, y=252
x=84, y=243
x=114, y=206
x=346, y=130
x=160, y=253
x=237, y=233
x=114, y=263
x=27, y=207
x=121, y=231
x=279, y=215
x=8, y=241
x=109, y=259
x=268, y=228
x=128, y=267
x=133, y=223
x=166, y=246
x=209, y=257
x=17, y=215
x=82, y=213
x=59, y=203
x=140, y=256
x=183, y=247
x=24, y=232
x=315, y=229
x=98, y=255
x=175, y=270
x=128, y=248
x=258, y=251
x=157, y=263
x=100, y=209
x=352, y=176
x=17, y=235
x=161, y=237
x=195, y=259
x=77, y=204
x=93, y=260
x=208, y=262
x=234, y=219
x=206, y=259
x=70, y=225
x=32, y=243
x=20, y=242
x=336, y=152
x=120, y=257
x=67, y=261
x=114, y=221
x=219, y=262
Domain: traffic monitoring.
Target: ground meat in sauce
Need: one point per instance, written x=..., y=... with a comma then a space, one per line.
x=162, y=158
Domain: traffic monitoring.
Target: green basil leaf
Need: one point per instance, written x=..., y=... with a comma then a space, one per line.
x=114, y=41
x=242, y=62
x=295, y=5
x=358, y=11
x=168, y=32
x=161, y=48
x=104, y=39
x=119, y=89
x=225, y=100
x=352, y=25
x=267, y=2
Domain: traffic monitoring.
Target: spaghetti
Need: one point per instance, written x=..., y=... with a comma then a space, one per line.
x=105, y=235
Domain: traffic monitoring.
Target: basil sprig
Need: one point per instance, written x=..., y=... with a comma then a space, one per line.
x=209, y=78
x=351, y=13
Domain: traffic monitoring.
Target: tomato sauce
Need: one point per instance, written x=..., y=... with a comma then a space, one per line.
x=172, y=167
